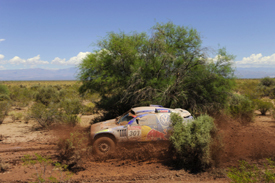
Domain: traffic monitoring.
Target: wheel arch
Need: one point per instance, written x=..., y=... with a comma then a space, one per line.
x=111, y=136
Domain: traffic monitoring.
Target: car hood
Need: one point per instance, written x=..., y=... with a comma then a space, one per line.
x=103, y=125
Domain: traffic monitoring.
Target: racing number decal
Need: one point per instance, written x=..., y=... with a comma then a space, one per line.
x=134, y=132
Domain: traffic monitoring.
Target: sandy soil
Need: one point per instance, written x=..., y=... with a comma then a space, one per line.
x=252, y=142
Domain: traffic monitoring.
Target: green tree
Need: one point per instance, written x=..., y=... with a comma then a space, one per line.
x=169, y=67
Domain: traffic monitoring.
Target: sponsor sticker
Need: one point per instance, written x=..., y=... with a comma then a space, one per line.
x=122, y=132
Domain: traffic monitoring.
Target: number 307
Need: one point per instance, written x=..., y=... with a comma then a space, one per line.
x=134, y=133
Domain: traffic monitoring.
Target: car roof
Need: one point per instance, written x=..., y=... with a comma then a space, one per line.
x=153, y=109
x=146, y=109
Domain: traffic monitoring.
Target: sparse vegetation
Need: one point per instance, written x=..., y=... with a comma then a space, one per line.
x=247, y=173
x=42, y=164
x=15, y=115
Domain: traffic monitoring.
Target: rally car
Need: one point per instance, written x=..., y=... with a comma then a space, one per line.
x=140, y=124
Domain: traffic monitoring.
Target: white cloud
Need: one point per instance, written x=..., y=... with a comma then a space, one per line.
x=30, y=61
x=2, y=67
x=2, y=40
x=59, y=61
x=2, y=61
x=257, y=60
x=72, y=61
x=36, y=60
x=16, y=60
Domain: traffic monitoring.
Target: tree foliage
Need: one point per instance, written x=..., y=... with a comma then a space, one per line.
x=169, y=67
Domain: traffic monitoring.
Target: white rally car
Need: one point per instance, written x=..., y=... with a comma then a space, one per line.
x=149, y=123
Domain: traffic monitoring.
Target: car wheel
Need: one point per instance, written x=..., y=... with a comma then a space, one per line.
x=103, y=145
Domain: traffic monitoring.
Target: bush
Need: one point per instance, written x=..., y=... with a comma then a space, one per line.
x=267, y=87
x=192, y=141
x=4, y=108
x=47, y=95
x=263, y=91
x=4, y=97
x=35, y=87
x=267, y=81
x=272, y=92
x=247, y=173
x=21, y=96
x=248, y=88
x=45, y=115
x=71, y=108
x=16, y=115
x=3, y=166
x=88, y=109
x=58, y=87
x=4, y=93
x=263, y=105
x=241, y=107
x=72, y=150
x=4, y=90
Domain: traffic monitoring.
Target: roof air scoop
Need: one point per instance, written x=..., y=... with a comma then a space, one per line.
x=151, y=105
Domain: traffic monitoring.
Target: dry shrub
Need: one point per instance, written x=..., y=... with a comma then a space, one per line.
x=21, y=97
x=73, y=149
x=273, y=114
x=4, y=90
x=263, y=105
x=4, y=108
x=15, y=115
x=45, y=115
x=47, y=95
x=3, y=166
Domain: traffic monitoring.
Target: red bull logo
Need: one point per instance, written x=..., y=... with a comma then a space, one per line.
x=156, y=135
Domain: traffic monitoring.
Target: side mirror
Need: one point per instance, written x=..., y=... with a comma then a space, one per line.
x=137, y=121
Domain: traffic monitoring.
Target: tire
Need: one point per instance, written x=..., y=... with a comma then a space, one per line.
x=103, y=146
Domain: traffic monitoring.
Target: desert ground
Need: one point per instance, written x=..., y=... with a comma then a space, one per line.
x=252, y=142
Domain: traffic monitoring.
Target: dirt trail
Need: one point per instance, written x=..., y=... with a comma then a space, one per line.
x=251, y=142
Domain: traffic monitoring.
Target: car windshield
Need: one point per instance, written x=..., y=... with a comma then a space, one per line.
x=126, y=117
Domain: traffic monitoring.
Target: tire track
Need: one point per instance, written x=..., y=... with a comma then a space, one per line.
x=22, y=149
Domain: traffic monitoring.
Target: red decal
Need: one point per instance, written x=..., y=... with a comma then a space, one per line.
x=154, y=135
x=134, y=127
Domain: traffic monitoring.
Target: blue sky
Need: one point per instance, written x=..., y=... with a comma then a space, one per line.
x=57, y=34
